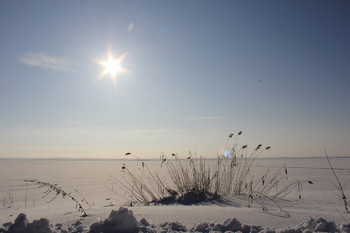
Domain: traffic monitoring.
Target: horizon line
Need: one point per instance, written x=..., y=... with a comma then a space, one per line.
x=155, y=159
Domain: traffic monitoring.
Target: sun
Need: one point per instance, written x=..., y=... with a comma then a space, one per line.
x=112, y=66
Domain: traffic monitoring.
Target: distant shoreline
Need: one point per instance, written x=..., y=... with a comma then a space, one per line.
x=150, y=159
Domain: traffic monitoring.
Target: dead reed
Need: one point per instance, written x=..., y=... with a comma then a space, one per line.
x=57, y=190
x=8, y=199
x=338, y=185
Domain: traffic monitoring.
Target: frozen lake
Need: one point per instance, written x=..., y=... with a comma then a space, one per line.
x=93, y=178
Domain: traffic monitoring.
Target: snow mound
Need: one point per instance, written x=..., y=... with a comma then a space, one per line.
x=123, y=221
x=22, y=225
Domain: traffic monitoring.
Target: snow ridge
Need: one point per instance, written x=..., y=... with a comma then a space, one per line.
x=123, y=221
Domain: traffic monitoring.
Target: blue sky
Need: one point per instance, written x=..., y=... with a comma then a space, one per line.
x=197, y=71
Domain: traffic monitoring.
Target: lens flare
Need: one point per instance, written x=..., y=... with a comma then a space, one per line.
x=227, y=153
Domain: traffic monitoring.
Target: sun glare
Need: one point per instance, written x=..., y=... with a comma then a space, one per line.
x=112, y=66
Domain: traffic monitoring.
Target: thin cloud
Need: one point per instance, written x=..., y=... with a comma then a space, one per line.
x=42, y=60
x=130, y=27
x=165, y=130
x=208, y=118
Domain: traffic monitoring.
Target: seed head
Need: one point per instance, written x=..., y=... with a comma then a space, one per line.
x=240, y=132
x=230, y=136
x=163, y=160
x=128, y=154
x=268, y=148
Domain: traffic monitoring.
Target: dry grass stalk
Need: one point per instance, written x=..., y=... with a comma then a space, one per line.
x=338, y=185
x=54, y=188
x=8, y=199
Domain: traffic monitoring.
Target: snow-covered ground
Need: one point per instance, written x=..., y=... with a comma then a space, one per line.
x=316, y=210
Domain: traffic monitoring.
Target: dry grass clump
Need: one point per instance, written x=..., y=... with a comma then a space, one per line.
x=144, y=187
x=195, y=180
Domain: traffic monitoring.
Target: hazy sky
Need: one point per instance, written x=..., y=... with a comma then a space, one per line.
x=197, y=71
